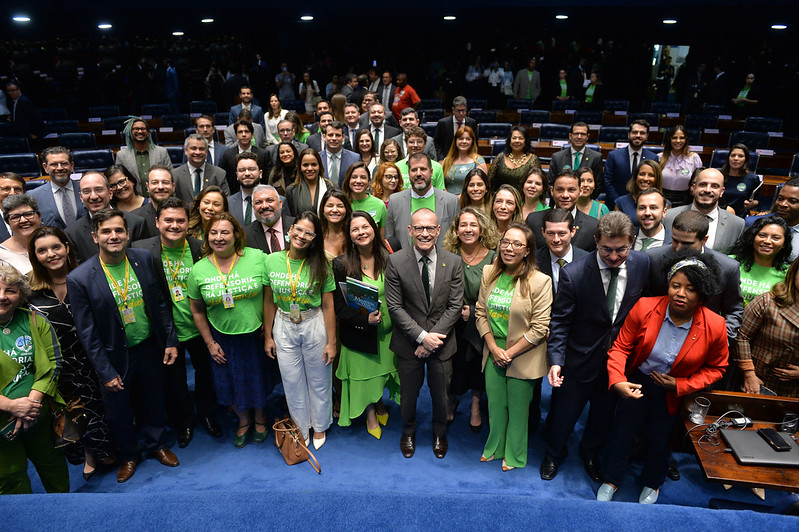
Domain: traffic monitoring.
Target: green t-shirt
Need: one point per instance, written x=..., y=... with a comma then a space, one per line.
x=139, y=329
x=177, y=267
x=589, y=94
x=758, y=280
x=437, y=180
x=18, y=344
x=277, y=278
x=245, y=282
x=498, y=307
x=564, y=88
x=423, y=203
x=374, y=206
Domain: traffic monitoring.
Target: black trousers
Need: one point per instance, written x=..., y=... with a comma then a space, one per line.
x=143, y=390
x=411, y=375
x=568, y=402
x=179, y=406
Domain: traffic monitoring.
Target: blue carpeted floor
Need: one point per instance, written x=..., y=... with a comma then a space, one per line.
x=367, y=483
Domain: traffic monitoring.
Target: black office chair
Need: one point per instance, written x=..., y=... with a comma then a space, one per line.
x=61, y=126
x=515, y=105
x=710, y=109
x=52, y=113
x=653, y=119
x=430, y=103
x=534, y=117
x=177, y=121
x=554, y=132
x=24, y=164
x=490, y=130
x=762, y=124
x=478, y=103
x=156, y=110
x=204, y=107
x=663, y=108
x=751, y=139
x=720, y=155
x=11, y=145
x=563, y=105
x=429, y=128
x=589, y=117
x=613, y=134
x=616, y=105
x=97, y=160
x=431, y=115
x=117, y=123
x=484, y=115
x=78, y=141
x=701, y=121
x=221, y=119
x=175, y=155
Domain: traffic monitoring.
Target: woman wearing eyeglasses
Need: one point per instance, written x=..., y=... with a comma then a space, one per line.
x=21, y=213
x=513, y=318
x=300, y=325
x=123, y=187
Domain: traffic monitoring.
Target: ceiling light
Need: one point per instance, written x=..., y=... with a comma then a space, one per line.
x=177, y=33
x=779, y=27
x=21, y=18
x=449, y=17
x=561, y=17
x=105, y=26
x=307, y=18
x=669, y=21
x=207, y=20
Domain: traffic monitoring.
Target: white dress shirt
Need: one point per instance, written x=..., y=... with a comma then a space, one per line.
x=70, y=197
x=604, y=271
x=553, y=261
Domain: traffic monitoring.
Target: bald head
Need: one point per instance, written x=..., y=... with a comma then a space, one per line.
x=707, y=190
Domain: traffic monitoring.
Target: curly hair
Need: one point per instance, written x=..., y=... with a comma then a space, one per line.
x=489, y=235
x=377, y=180
x=744, y=249
x=701, y=269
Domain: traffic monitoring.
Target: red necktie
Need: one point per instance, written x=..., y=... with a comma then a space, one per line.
x=274, y=241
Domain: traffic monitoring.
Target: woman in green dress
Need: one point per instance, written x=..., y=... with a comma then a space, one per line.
x=367, y=366
x=474, y=237
x=514, y=164
x=356, y=188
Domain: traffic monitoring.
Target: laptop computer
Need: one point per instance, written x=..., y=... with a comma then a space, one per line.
x=749, y=448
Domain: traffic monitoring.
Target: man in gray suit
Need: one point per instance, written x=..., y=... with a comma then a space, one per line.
x=725, y=228
x=421, y=194
x=141, y=152
x=577, y=155
x=409, y=118
x=258, y=135
x=424, y=294
x=205, y=127
x=527, y=85
x=197, y=174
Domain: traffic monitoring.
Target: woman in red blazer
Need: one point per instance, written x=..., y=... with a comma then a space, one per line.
x=668, y=347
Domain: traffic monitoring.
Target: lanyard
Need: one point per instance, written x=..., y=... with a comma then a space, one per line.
x=221, y=275
x=293, y=280
x=174, y=273
x=124, y=293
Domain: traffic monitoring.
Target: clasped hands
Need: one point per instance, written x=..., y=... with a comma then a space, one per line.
x=430, y=344
x=25, y=410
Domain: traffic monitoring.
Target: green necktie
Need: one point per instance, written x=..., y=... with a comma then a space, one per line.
x=576, y=161
x=561, y=262
x=248, y=212
x=426, y=277
x=646, y=242
x=377, y=139
x=612, y=287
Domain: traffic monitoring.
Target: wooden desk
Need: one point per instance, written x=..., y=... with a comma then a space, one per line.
x=722, y=466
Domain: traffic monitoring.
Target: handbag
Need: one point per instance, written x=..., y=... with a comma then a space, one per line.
x=69, y=424
x=288, y=438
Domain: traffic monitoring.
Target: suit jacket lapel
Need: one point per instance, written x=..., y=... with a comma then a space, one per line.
x=417, y=278
x=442, y=268
x=595, y=280
x=695, y=334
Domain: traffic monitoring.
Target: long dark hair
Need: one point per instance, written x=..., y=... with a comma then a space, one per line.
x=40, y=276
x=523, y=130
x=725, y=169
x=315, y=257
x=352, y=258
x=334, y=193
x=744, y=248
x=281, y=170
x=528, y=264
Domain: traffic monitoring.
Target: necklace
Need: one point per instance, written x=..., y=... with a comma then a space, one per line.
x=516, y=161
x=469, y=259
x=6, y=330
x=58, y=284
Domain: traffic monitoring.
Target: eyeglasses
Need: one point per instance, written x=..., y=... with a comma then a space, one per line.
x=19, y=215
x=119, y=184
x=421, y=229
x=138, y=129
x=307, y=234
x=504, y=243
x=619, y=251
x=59, y=165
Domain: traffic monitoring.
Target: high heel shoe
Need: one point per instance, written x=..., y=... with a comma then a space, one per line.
x=89, y=475
x=382, y=418
x=506, y=467
x=258, y=436
x=241, y=441
x=377, y=432
x=489, y=459
x=318, y=442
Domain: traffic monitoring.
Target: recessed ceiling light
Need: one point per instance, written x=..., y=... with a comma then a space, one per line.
x=21, y=18
x=177, y=33
x=449, y=17
x=207, y=20
x=669, y=21
x=105, y=26
x=561, y=17
x=779, y=27
x=307, y=18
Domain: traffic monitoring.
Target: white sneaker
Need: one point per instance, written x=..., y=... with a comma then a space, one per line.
x=648, y=496
x=605, y=492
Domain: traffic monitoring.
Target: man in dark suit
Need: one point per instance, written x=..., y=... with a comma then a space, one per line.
x=125, y=326
x=169, y=250
x=577, y=155
x=650, y=209
x=10, y=184
x=594, y=295
x=248, y=175
x=269, y=232
x=259, y=139
x=424, y=294
x=161, y=186
x=565, y=189
x=316, y=140
x=352, y=123
x=335, y=159
x=286, y=131
x=197, y=174
x=620, y=163
x=23, y=112
x=386, y=90
x=725, y=228
x=205, y=127
x=449, y=125
x=378, y=126
x=718, y=90
x=244, y=131
x=59, y=200
x=408, y=119
x=96, y=195
x=246, y=97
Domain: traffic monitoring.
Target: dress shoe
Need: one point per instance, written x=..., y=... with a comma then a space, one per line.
x=549, y=469
x=260, y=436
x=166, y=457
x=211, y=426
x=126, y=471
x=673, y=473
x=648, y=496
x=184, y=436
x=605, y=492
x=506, y=467
x=440, y=446
x=318, y=442
x=382, y=418
x=476, y=428
x=377, y=432
x=241, y=441
x=87, y=475
x=408, y=445
x=592, y=468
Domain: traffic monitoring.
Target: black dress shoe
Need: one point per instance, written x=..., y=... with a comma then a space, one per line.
x=185, y=435
x=549, y=469
x=673, y=473
x=440, y=446
x=408, y=445
x=211, y=426
x=592, y=468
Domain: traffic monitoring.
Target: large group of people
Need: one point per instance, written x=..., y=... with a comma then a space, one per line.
x=342, y=273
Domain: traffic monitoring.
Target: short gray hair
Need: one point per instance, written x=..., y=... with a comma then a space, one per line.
x=615, y=224
x=17, y=200
x=459, y=100
x=265, y=188
x=12, y=276
x=195, y=136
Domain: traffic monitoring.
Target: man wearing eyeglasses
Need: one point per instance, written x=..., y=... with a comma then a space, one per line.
x=59, y=200
x=424, y=294
x=10, y=183
x=140, y=152
x=594, y=295
x=577, y=154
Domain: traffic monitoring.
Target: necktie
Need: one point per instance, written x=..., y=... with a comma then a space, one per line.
x=426, y=277
x=274, y=241
x=458, y=126
x=333, y=173
x=377, y=139
x=646, y=242
x=197, y=181
x=635, y=163
x=66, y=207
x=248, y=211
x=561, y=262
x=576, y=160
x=612, y=286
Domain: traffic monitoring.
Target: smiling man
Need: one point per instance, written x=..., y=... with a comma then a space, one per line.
x=248, y=175
x=161, y=186
x=269, y=232
x=650, y=209
x=58, y=200
x=577, y=155
x=335, y=159
x=141, y=152
x=197, y=173
x=621, y=162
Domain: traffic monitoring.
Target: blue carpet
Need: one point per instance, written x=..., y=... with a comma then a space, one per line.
x=367, y=483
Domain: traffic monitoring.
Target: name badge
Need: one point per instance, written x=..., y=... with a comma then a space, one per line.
x=294, y=313
x=128, y=316
x=177, y=294
x=227, y=299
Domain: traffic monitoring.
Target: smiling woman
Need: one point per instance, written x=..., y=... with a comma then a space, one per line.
x=123, y=187
x=22, y=215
